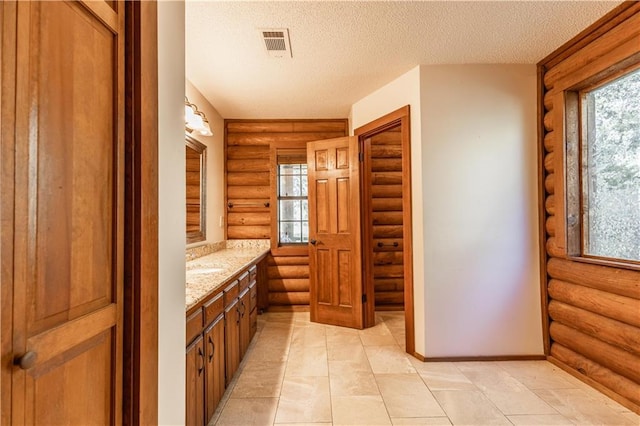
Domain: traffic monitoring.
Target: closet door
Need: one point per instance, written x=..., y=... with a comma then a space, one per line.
x=62, y=212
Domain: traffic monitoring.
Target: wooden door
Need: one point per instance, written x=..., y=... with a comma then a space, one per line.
x=334, y=232
x=195, y=371
x=215, y=380
x=231, y=339
x=245, y=325
x=62, y=212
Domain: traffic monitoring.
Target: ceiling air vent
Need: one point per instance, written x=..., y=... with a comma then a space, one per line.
x=276, y=42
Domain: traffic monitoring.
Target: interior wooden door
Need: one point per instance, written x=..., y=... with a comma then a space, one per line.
x=335, y=282
x=62, y=212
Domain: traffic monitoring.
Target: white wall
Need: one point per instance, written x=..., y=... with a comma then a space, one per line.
x=171, y=232
x=476, y=279
x=405, y=90
x=215, y=164
x=480, y=210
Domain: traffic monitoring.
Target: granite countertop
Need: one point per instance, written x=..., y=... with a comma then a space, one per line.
x=208, y=273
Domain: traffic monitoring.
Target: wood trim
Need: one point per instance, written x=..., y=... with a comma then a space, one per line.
x=8, y=31
x=140, y=378
x=592, y=32
x=400, y=116
x=542, y=216
x=487, y=358
x=276, y=249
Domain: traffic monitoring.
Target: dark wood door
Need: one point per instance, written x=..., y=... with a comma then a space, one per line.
x=232, y=339
x=195, y=371
x=245, y=324
x=214, y=380
x=334, y=232
x=62, y=212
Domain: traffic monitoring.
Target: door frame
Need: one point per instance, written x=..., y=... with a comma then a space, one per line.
x=140, y=343
x=395, y=118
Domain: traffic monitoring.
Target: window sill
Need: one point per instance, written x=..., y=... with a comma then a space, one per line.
x=291, y=250
x=632, y=264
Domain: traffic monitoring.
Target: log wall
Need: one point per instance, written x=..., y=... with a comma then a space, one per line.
x=592, y=309
x=248, y=191
x=383, y=163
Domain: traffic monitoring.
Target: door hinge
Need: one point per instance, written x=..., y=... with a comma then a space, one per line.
x=364, y=298
x=361, y=156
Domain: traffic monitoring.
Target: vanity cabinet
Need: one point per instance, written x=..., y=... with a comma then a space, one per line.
x=219, y=331
x=231, y=330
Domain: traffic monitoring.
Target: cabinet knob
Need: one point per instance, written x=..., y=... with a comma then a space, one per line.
x=27, y=360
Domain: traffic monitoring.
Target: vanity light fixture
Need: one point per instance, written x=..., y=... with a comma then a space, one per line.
x=195, y=120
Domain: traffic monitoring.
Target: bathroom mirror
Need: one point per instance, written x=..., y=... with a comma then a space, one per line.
x=196, y=190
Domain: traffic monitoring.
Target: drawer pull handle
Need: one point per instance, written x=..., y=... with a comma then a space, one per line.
x=201, y=356
x=213, y=348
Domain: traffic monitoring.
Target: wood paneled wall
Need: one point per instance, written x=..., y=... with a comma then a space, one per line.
x=384, y=165
x=248, y=190
x=592, y=310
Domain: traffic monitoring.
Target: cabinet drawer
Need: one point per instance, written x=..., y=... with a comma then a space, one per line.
x=194, y=325
x=244, y=281
x=230, y=293
x=253, y=296
x=213, y=308
x=253, y=271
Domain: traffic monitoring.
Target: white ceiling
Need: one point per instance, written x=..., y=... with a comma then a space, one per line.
x=343, y=51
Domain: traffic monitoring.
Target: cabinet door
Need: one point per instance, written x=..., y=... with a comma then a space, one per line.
x=215, y=366
x=245, y=326
x=232, y=339
x=195, y=383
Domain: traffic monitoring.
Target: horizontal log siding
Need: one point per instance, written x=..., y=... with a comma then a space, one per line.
x=593, y=310
x=386, y=217
x=248, y=188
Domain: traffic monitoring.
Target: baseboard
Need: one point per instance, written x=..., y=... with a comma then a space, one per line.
x=596, y=385
x=288, y=308
x=486, y=358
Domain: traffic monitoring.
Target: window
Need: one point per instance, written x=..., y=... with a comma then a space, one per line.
x=293, y=213
x=604, y=202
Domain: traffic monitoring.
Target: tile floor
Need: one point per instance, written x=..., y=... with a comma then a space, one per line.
x=298, y=372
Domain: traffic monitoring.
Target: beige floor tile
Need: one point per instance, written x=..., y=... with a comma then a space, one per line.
x=267, y=351
x=508, y=394
x=309, y=337
x=346, y=367
x=248, y=411
x=259, y=379
x=632, y=416
x=467, y=407
x=537, y=374
x=340, y=336
x=353, y=383
x=442, y=376
x=539, y=420
x=406, y=395
x=304, y=424
x=388, y=360
x=350, y=352
x=307, y=361
x=359, y=410
x=582, y=408
x=304, y=399
x=421, y=421
x=378, y=336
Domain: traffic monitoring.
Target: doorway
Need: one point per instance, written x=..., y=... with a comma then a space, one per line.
x=386, y=218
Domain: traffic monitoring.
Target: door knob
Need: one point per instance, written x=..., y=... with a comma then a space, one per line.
x=313, y=242
x=27, y=360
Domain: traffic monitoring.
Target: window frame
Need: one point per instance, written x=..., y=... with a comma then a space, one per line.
x=296, y=149
x=574, y=144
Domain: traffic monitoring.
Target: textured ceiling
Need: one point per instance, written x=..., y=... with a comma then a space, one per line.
x=343, y=51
